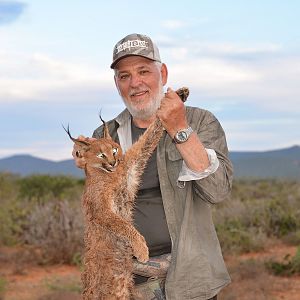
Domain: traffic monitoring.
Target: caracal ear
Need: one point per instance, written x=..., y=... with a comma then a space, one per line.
x=84, y=145
x=106, y=134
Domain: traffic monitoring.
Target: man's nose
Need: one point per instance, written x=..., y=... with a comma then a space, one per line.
x=135, y=80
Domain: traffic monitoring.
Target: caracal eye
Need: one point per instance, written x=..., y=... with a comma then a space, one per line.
x=115, y=150
x=101, y=155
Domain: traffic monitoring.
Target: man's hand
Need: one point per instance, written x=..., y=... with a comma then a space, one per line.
x=172, y=113
x=173, y=117
x=79, y=159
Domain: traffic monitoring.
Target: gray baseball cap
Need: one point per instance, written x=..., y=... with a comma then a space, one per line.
x=135, y=44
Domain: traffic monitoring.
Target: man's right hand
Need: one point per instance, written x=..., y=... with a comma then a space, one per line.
x=79, y=159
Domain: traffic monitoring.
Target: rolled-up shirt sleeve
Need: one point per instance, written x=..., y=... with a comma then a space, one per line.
x=187, y=174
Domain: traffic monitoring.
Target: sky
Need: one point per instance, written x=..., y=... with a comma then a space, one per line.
x=240, y=59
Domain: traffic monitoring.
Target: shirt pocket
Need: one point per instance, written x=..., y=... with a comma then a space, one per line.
x=174, y=165
x=173, y=154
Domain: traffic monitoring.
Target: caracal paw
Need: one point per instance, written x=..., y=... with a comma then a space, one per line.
x=141, y=251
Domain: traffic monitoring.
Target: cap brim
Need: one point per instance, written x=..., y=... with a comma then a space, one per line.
x=112, y=66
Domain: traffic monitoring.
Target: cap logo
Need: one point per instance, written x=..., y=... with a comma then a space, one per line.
x=131, y=44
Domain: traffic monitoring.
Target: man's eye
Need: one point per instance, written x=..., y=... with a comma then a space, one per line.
x=101, y=155
x=144, y=72
x=123, y=77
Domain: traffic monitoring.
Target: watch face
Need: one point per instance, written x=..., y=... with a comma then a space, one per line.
x=182, y=136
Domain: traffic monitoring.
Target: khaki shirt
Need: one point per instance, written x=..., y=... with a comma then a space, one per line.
x=197, y=270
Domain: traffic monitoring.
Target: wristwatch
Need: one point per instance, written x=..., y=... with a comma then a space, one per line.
x=182, y=135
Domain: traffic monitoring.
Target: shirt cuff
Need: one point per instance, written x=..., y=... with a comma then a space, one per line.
x=187, y=174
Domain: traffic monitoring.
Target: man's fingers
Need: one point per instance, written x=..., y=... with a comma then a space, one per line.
x=85, y=139
x=81, y=138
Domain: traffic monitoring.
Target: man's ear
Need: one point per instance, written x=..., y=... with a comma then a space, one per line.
x=115, y=79
x=164, y=74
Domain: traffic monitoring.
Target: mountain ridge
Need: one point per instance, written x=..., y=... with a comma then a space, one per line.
x=279, y=163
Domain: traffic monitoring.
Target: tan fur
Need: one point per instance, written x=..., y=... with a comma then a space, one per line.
x=112, y=181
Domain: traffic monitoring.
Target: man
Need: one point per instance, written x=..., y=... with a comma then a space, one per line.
x=189, y=171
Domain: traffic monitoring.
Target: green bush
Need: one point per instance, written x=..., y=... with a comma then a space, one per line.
x=3, y=284
x=290, y=265
x=12, y=221
x=236, y=238
x=258, y=211
x=42, y=188
x=39, y=209
x=8, y=186
x=19, y=197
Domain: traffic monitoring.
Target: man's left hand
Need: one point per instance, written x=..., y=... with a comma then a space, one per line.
x=172, y=113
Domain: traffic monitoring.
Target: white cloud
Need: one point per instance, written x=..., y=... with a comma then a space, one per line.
x=42, y=150
x=270, y=82
x=234, y=48
x=262, y=73
x=196, y=47
x=216, y=76
x=34, y=77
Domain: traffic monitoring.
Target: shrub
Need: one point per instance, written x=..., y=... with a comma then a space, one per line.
x=12, y=220
x=258, y=211
x=290, y=265
x=19, y=197
x=236, y=238
x=42, y=188
x=281, y=218
x=3, y=284
x=8, y=186
x=292, y=238
x=57, y=229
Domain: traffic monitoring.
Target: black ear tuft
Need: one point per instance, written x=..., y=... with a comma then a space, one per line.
x=84, y=144
x=106, y=134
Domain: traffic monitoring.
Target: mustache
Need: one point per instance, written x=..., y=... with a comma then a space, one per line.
x=137, y=90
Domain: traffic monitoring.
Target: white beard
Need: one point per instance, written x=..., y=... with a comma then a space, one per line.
x=150, y=109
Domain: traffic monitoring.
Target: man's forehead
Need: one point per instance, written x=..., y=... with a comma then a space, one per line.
x=133, y=62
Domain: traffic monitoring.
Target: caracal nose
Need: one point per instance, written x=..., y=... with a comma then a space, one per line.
x=113, y=163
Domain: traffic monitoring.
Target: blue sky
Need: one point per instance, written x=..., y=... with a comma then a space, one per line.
x=240, y=59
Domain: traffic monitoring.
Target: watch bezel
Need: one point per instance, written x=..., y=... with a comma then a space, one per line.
x=178, y=139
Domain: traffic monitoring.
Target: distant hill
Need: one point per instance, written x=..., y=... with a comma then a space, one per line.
x=27, y=165
x=283, y=163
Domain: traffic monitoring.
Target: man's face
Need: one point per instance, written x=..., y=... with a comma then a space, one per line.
x=140, y=83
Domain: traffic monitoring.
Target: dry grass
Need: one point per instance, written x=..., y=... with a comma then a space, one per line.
x=249, y=281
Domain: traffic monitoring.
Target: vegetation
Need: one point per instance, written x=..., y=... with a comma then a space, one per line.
x=290, y=265
x=45, y=212
x=2, y=286
x=259, y=210
x=65, y=285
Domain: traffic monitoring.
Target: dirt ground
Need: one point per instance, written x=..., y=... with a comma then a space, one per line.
x=250, y=280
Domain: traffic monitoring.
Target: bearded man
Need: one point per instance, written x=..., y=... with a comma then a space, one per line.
x=188, y=173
